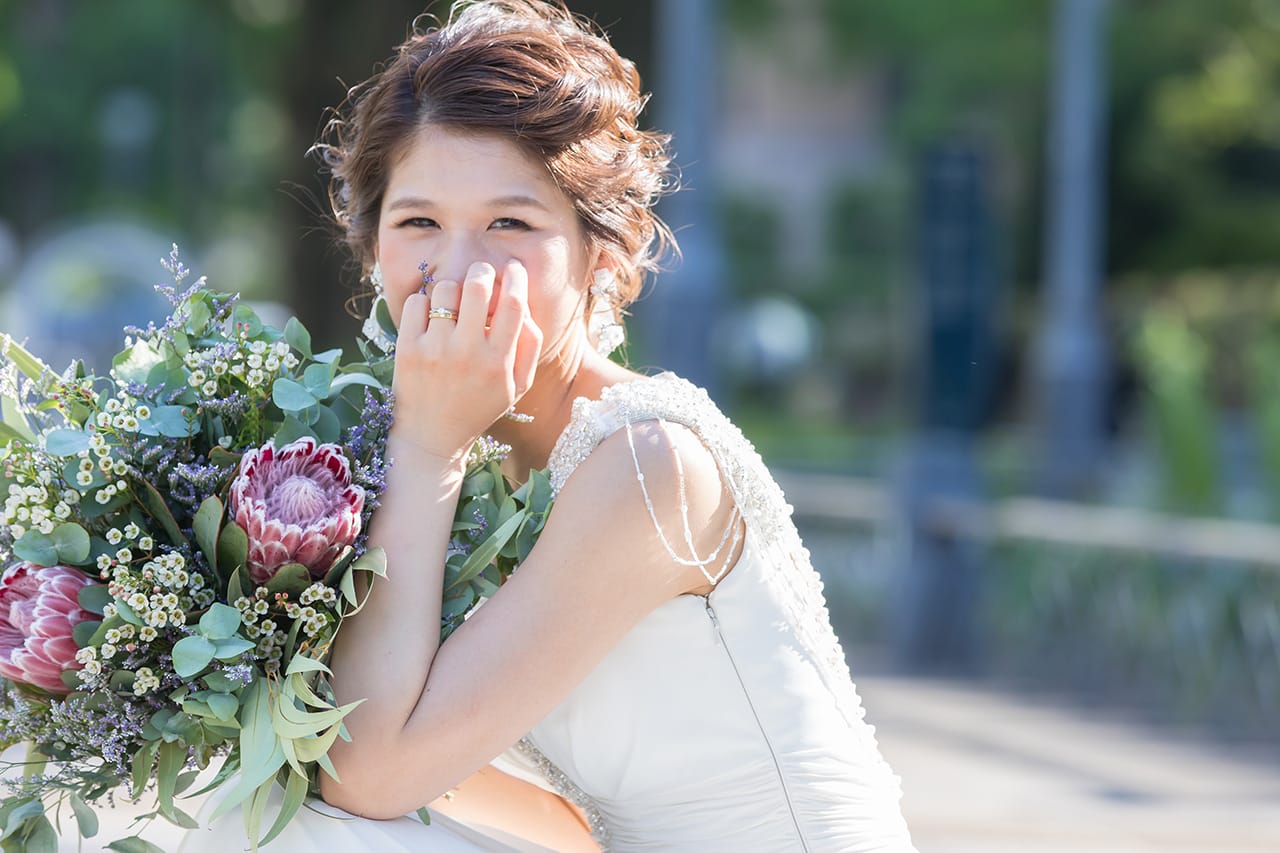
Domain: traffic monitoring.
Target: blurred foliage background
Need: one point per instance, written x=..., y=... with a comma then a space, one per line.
x=125, y=126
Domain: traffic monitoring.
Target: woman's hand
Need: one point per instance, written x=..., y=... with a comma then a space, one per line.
x=454, y=378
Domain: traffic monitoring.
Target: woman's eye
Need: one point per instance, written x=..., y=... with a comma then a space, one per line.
x=418, y=222
x=508, y=222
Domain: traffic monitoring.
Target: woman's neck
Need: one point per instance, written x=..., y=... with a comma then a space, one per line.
x=559, y=381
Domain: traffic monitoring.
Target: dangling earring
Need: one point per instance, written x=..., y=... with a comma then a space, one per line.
x=603, y=328
x=378, y=327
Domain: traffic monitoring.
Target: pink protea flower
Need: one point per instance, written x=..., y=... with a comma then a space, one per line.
x=297, y=505
x=38, y=610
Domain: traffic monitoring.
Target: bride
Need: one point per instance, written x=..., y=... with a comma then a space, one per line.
x=660, y=673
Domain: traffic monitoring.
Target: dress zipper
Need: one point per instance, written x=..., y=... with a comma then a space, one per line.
x=777, y=766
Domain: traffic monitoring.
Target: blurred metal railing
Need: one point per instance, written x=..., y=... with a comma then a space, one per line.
x=826, y=497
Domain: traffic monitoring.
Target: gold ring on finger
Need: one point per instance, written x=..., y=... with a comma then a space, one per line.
x=442, y=314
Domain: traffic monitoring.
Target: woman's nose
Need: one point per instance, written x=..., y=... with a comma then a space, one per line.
x=456, y=255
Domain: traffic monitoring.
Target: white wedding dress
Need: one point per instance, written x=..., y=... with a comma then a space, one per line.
x=725, y=722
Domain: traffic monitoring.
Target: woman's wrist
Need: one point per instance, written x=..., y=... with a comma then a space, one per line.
x=406, y=451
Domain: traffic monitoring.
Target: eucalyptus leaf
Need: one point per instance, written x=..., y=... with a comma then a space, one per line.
x=485, y=552
x=171, y=422
x=205, y=525
x=328, y=428
x=291, y=578
x=86, y=818
x=244, y=319
x=231, y=647
x=40, y=836
x=192, y=654
x=134, y=844
x=219, y=622
x=153, y=502
x=223, y=706
x=94, y=597
x=291, y=396
x=317, y=377
x=71, y=542
x=66, y=442
x=291, y=430
x=83, y=632
x=233, y=550
x=349, y=380
x=298, y=336
x=295, y=791
x=36, y=547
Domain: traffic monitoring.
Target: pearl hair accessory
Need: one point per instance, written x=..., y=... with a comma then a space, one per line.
x=603, y=328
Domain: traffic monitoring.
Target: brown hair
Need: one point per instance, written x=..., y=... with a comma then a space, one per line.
x=531, y=72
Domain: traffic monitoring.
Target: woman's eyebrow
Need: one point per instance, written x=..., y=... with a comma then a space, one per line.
x=516, y=200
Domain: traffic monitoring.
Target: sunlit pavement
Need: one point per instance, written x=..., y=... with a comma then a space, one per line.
x=987, y=772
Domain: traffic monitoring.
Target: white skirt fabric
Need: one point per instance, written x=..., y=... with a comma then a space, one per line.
x=320, y=826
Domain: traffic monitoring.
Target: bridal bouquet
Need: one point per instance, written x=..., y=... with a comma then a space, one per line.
x=181, y=540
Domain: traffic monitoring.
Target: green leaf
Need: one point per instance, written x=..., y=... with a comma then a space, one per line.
x=291, y=430
x=292, y=578
x=199, y=317
x=219, y=622
x=348, y=380
x=153, y=502
x=71, y=542
x=374, y=560
x=295, y=791
x=66, y=442
x=36, y=547
x=142, y=761
x=224, y=458
x=231, y=648
x=317, y=378
x=134, y=844
x=21, y=815
x=192, y=654
x=246, y=320
x=173, y=757
x=94, y=598
x=208, y=519
x=328, y=428
x=233, y=550
x=223, y=705
x=298, y=336
x=260, y=752
x=86, y=818
x=171, y=422
x=486, y=551
x=328, y=355
x=424, y=815
x=40, y=837
x=83, y=632
x=290, y=396
x=135, y=363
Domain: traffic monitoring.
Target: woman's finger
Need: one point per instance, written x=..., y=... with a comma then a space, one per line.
x=413, y=317
x=444, y=297
x=473, y=307
x=512, y=306
x=528, y=350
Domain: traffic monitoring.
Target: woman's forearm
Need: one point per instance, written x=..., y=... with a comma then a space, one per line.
x=384, y=653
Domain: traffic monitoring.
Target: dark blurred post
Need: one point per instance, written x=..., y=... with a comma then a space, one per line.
x=955, y=370
x=1072, y=357
x=678, y=316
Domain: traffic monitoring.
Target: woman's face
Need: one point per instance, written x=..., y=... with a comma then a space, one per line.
x=453, y=199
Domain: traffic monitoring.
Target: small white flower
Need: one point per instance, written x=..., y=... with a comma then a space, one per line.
x=131, y=423
x=113, y=405
x=290, y=361
x=119, y=421
x=93, y=667
x=84, y=478
x=101, y=496
x=209, y=388
x=102, y=419
x=196, y=379
x=146, y=543
x=254, y=361
x=109, y=610
x=146, y=634
x=142, y=413
x=104, y=561
x=272, y=363
x=62, y=510
x=121, y=486
x=124, y=555
x=108, y=650
x=46, y=526
x=131, y=531
x=114, y=536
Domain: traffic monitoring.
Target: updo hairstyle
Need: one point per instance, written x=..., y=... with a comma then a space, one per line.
x=531, y=72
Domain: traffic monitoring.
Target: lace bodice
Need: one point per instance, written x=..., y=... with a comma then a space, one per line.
x=751, y=658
